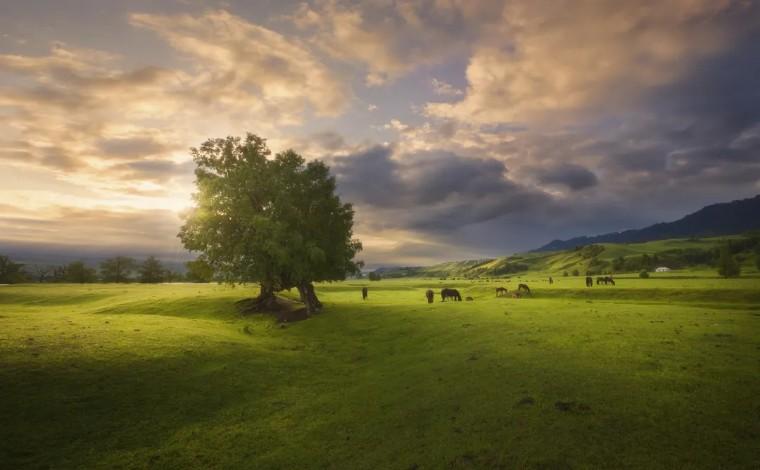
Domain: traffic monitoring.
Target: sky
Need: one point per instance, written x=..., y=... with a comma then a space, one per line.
x=459, y=129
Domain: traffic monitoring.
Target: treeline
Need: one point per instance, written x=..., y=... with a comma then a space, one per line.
x=727, y=258
x=119, y=269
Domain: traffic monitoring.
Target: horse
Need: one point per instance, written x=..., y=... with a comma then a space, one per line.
x=453, y=294
x=600, y=280
x=589, y=281
x=524, y=288
x=430, y=295
x=364, y=293
x=501, y=291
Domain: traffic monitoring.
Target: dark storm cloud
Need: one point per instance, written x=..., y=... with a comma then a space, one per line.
x=431, y=191
x=573, y=176
x=702, y=129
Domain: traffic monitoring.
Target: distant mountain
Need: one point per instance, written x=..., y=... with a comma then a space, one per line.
x=715, y=220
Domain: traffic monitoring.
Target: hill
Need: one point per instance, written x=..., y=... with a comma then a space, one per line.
x=714, y=220
x=593, y=259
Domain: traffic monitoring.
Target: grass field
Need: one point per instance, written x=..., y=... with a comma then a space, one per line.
x=655, y=373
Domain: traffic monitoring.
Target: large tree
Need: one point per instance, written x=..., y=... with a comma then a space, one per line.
x=276, y=221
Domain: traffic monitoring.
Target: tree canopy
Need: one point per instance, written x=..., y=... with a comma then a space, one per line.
x=727, y=265
x=10, y=272
x=152, y=271
x=117, y=269
x=276, y=221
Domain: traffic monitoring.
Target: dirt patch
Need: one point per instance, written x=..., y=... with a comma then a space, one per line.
x=525, y=402
x=572, y=407
x=284, y=310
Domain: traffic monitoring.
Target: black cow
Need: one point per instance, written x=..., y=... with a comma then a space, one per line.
x=589, y=281
x=430, y=295
x=452, y=294
x=364, y=293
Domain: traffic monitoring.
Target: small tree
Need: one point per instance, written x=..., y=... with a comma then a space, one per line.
x=80, y=273
x=576, y=272
x=644, y=275
x=727, y=265
x=199, y=271
x=275, y=221
x=10, y=272
x=42, y=273
x=117, y=269
x=151, y=271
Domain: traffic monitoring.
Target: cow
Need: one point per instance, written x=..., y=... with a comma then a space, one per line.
x=452, y=294
x=501, y=291
x=589, y=281
x=551, y=281
x=430, y=295
x=524, y=288
x=364, y=293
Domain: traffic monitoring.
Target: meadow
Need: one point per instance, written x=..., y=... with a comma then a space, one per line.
x=652, y=373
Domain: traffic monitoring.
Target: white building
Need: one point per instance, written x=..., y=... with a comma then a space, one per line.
x=662, y=269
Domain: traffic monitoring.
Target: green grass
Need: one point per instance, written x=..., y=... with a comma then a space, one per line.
x=655, y=373
x=555, y=263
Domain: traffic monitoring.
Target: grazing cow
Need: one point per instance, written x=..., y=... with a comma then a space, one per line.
x=589, y=281
x=430, y=295
x=452, y=294
x=364, y=293
x=524, y=288
x=501, y=291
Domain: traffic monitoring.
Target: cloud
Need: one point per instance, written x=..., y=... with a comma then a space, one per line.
x=573, y=176
x=390, y=39
x=445, y=89
x=94, y=227
x=545, y=59
x=240, y=62
x=430, y=191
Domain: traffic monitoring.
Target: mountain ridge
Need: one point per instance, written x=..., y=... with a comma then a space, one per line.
x=719, y=219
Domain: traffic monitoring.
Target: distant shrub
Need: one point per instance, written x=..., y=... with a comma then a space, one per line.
x=644, y=275
x=374, y=276
x=565, y=274
x=576, y=272
x=727, y=265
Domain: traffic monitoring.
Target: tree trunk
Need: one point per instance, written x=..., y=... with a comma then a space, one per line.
x=309, y=298
x=266, y=299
